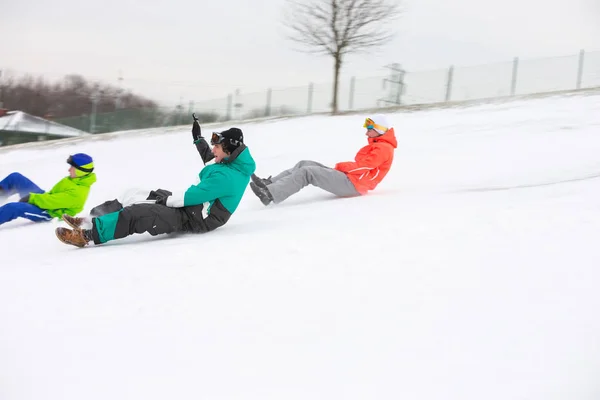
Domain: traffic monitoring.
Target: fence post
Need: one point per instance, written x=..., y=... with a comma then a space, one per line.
x=310, y=97
x=351, y=101
x=268, y=107
x=93, y=117
x=513, y=85
x=95, y=96
x=1, y=95
x=237, y=105
x=401, y=87
x=580, y=69
x=229, y=106
x=449, y=82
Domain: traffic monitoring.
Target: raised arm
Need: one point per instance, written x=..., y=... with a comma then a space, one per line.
x=201, y=144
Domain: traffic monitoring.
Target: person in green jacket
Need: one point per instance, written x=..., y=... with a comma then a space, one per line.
x=200, y=208
x=67, y=197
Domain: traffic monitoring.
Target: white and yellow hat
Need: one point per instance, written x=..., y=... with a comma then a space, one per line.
x=379, y=123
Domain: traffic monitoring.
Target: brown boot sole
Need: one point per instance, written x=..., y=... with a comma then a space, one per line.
x=65, y=241
x=74, y=226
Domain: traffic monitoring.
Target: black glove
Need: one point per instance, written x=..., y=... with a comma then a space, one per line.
x=162, y=199
x=196, y=132
x=159, y=196
x=24, y=199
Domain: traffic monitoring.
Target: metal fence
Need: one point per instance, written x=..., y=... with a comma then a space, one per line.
x=456, y=83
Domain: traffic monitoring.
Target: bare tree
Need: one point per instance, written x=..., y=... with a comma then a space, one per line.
x=340, y=27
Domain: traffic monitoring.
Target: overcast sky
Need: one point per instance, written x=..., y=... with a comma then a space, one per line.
x=203, y=49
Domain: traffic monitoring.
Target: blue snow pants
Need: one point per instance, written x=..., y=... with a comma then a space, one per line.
x=17, y=183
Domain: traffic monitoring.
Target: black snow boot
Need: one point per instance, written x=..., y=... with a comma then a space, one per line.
x=261, y=182
x=262, y=193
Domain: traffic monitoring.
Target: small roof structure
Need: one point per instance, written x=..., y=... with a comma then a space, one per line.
x=26, y=124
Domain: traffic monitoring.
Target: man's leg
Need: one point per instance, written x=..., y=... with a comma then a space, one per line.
x=128, y=198
x=10, y=211
x=300, y=164
x=107, y=207
x=17, y=183
x=155, y=219
x=326, y=178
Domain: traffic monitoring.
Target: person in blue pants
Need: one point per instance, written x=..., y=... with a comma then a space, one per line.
x=17, y=183
x=68, y=196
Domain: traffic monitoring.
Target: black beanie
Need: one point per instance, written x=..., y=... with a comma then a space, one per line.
x=233, y=138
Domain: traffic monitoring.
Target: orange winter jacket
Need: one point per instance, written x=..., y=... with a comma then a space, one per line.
x=371, y=163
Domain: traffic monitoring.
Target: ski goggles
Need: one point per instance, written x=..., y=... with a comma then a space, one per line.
x=218, y=138
x=370, y=124
x=72, y=164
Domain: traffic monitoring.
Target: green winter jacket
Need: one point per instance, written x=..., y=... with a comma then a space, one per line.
x=68, y=196
x=225, y=181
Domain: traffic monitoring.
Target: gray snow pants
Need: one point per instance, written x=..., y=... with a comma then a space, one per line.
x=310, y=172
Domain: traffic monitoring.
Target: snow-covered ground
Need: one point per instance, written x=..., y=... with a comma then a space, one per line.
x=472, y=272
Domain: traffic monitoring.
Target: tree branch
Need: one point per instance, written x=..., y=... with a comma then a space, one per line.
x=341, y=26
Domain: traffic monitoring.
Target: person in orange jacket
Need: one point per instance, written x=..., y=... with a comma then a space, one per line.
x=347, y=179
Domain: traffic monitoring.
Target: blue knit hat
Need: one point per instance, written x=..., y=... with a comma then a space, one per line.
x=83, y=163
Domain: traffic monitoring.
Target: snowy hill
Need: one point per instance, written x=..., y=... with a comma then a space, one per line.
x=470, y=273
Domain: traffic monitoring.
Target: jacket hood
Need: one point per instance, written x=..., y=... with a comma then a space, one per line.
x=388, y=137
x=241, y=160
x=87, y=180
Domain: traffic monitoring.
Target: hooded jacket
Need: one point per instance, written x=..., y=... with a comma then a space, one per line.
x=372, y=163
x=68, y=196
x=225, y=181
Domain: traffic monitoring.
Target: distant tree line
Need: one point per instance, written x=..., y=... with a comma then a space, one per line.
x=73, y=96
x=89, y=106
